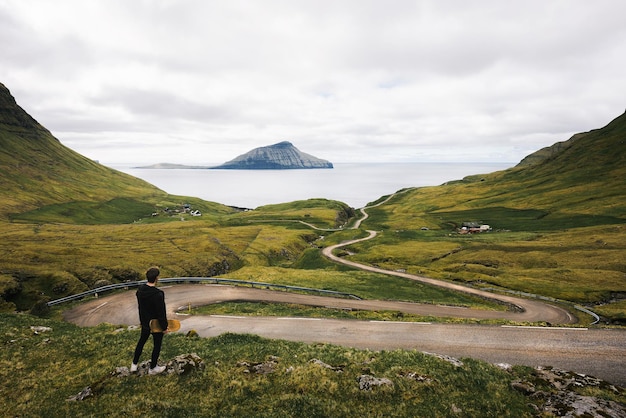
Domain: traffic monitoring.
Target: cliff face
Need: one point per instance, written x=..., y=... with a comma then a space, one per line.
x=15, y=120
x=279, y=156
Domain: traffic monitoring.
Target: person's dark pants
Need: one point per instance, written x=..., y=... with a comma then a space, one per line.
x=157, y=338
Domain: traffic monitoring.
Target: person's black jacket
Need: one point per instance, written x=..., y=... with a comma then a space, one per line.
x=151, y=303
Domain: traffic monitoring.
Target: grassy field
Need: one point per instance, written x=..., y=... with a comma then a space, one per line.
x=85, y=254
x=68, y=224
x=47, y=368
x=585, y=265
x=305, y=311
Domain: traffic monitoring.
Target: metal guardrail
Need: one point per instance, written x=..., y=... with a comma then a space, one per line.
x=587, y=311
x=550, y=299
x=213, y=280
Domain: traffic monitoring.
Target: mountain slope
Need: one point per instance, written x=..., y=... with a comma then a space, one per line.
x=37, y=170
x=606, y=145
x=557, y=226
x=275, y=157
x=584, y=175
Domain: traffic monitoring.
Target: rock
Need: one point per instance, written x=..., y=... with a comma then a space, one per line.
x=82, y=395
x=367, y=382
x=121, y=372
x=562, y=379
x=128, y=328
x=451, y=360
x=179, y=365
x=562, y=401
x=570, y=404
x=39, y=329
x=524, y=387
x=265, y=367
x=184, y=364
x=327, y=366
x=416, y=377
x=504, y=366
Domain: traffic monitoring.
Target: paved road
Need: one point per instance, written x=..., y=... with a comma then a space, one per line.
x=599, y=352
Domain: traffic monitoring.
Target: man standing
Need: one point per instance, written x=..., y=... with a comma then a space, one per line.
x=151, y=303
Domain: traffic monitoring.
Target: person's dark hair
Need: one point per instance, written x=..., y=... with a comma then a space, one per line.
x=152, y=274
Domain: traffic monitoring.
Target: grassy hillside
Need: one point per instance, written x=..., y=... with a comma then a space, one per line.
x=558, y=225
x=68, y=223
x=37, y=170
x=42, y=370
x=44, y=181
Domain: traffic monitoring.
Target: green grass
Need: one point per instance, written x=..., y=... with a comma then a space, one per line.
x=321, y=213
x=511, y=219
x=362, y=284
x=615, y=310
x=123, y=210
x=583, y=265
x=40, y=372
x=305, y=311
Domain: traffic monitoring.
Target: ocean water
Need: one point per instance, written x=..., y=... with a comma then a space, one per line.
x=356, y=184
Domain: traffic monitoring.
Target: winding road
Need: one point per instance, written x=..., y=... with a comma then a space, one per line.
x=598, y=352
x=529, y=310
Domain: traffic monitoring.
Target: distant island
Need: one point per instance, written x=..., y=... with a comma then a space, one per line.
x=275, y=157
x=281, y=156
x=172, y=166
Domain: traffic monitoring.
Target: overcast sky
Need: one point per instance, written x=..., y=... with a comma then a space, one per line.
x=195, y=82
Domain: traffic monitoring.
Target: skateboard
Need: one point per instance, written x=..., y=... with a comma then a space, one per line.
x=173, y=325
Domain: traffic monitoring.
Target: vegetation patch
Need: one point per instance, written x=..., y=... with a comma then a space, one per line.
x=362, y=284
x=307, y=311
x=303, y=379
x=122, y=210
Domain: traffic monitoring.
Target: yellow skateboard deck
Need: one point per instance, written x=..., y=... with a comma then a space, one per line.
x=173, y=325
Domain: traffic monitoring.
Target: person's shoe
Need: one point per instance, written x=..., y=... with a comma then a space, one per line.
x=133, y=368
x=157, y=370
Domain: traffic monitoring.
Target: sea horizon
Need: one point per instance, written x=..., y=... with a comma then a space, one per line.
x=355, y=184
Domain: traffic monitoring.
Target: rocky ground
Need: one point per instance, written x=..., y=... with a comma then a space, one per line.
x=550, y=392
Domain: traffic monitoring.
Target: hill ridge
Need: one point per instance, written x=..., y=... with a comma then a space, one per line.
x=36, y=169
x=12, y=115
x=612, y=130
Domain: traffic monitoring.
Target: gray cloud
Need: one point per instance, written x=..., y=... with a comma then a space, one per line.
x=348, y=81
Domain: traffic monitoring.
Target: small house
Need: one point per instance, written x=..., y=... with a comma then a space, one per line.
x=473, y=228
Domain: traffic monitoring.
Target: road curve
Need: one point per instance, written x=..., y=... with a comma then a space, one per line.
x=598, y=352
x=531, y=310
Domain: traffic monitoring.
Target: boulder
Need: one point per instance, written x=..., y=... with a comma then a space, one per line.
x=179, y=365
x=367, y=382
